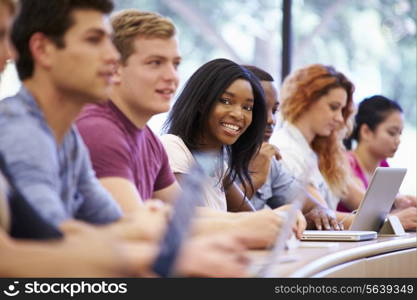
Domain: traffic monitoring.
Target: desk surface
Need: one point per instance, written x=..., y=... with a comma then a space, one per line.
x=308, y=261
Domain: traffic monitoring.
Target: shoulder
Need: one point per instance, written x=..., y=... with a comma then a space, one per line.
x=97, y=118
x=101, y=130
x=21, y=131
x=179, y=156
x=172, y=142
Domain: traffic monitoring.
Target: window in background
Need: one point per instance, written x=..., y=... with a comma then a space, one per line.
x=374, y=43
x=245, y=31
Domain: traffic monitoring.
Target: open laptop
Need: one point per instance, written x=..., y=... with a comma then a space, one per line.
x=373, y=210
x=183, y=214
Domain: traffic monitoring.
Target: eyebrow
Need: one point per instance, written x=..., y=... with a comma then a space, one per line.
x=179, y=58
x=233, y=95
x=394, y=127
x=97, y=31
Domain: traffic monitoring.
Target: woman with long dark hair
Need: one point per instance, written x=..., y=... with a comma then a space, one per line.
x=377, y=130
x=221, y=109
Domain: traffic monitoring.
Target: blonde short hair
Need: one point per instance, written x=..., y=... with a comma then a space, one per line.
x=130, y=23
x=11, y=4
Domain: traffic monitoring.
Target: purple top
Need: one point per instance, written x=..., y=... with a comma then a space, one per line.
x=358, y=172
x=119, y=149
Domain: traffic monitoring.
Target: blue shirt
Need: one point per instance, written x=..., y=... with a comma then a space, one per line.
x=57, y=180
x=279, y=188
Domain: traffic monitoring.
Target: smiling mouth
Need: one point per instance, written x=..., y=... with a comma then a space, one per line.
x=231, y=128
x=167, y=93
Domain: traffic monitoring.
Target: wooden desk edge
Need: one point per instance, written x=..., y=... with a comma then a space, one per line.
x=352, y=254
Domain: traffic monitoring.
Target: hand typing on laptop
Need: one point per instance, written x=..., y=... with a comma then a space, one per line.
x=321, y=217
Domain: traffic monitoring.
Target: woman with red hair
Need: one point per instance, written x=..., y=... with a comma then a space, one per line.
x=316, y=105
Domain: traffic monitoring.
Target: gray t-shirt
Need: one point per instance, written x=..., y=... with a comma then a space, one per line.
x=278, y=189
x=57, y=180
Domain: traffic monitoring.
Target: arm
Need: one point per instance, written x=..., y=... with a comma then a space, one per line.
x=259, y=168
x=355, y=194
x=124, y=192
x=168, y=194
x=317, y=213
x=236, y=200
x=84, y=253
x=34, y=171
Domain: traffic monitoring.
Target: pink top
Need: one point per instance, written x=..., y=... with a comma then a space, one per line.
x=358, y=172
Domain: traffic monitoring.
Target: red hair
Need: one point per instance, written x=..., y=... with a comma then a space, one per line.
x=300, y=90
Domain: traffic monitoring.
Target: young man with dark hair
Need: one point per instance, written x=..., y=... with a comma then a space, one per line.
x=62, y=68
x=274, y=185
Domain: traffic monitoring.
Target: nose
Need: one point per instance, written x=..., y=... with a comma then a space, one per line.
x=236, y=111
x=5, y=54
x=339, y=117
x=112, y=56
x=397, y=140
x=272, y=119
x=171, y=73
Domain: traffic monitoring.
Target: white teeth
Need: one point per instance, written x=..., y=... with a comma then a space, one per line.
x=230, y=126
x=167, y=92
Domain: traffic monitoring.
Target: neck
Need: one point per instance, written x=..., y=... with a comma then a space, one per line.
x=366, y=160
x=139, y=119
x=305, y=129
x=59, y=109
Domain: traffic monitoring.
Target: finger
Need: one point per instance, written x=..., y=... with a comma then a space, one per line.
x=325, y=221
x=334, y=224
x=318, y=223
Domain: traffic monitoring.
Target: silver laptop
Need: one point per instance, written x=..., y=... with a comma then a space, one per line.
x=336, y=235
x=379, y=198
x=372, y=211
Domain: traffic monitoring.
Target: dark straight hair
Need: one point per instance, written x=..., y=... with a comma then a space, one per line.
x=50, y=17
x=261, y=74
x=372, y=111
x=189, y=115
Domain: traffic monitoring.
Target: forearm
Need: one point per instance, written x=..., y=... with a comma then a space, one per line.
x=258, y=180
x=236, y=200
x=210, y=225
x=354, y=195
x=313, y=199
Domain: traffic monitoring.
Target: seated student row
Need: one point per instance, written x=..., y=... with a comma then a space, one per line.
x=55, y=176
x=113, y=176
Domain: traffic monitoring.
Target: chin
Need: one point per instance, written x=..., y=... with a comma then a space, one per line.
x=160, y=110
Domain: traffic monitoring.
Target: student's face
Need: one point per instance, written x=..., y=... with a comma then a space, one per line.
x=384, y=140
x=84, y=67
x=271, y=97
x=230, y=116
x=325, y=115
x=5, y=25
x=149, y=78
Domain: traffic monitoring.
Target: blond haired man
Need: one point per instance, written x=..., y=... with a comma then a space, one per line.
x=128, y=158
